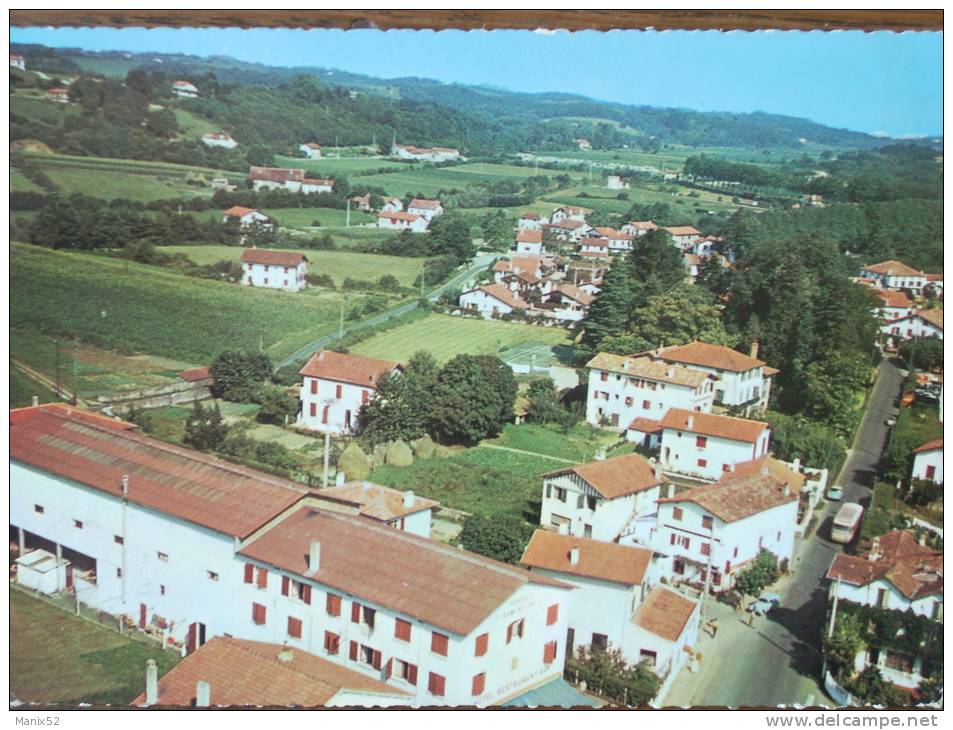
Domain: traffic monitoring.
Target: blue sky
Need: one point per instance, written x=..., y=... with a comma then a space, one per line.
x=871, y=82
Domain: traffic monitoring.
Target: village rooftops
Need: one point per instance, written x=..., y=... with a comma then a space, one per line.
x=398, y=215
x=441, y=585
x=716, y=357
x=568, y=223
x=892, y=268
x=243, y=673
x=644, y=367
x=574, y=210
x=347, y=368
x=774, y=467
x=97, y=452
x=607, y=561
x=424, y=204
x=613, y=234
x=643, y=225
x=736, y=496
x=934, y=277
x=616, y=477
x=576, y=294
x=501, y=293
x=895, y=299
x=530, y=216
x=664, y=613
x=271, y=257
x=682, y=230
x=207, y=135
x=238, y=211
x=376, y=501
x=311, y=145
x=913, y=569
x=935, y=445
x=276, y=174
x=709, y=424
x=193, y=374
x=932, y=316
x=529, y=236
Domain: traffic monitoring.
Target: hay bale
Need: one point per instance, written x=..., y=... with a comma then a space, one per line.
x=424, y=447
x=441, y=452
x=398, y=454
x=353, y=462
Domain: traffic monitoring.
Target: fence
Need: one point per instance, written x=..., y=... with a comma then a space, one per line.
x=837, y=693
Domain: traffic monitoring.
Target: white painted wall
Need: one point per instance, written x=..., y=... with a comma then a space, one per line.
x=923, y=460
x=681, y=454
x=286, y=278
x=870, y=595
x=480, y=301
x=617, y=395
x=340, y=399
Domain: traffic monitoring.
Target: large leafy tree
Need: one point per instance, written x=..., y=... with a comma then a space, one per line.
x=401, y=407
x=204, y=429
x=450, y=235
x=473, y=399
x=239, y=375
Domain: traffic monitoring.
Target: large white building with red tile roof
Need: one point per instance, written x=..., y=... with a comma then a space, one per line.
x=894, y=274
x=706, y=446
x=492, y=301
x=272, y=269
x=529, y=242
x=185, y=89
x=894, y=304
x=398, y=220
x=392, y=507
x=288, y=178
x=425, y=208
x=919, y=323
x=928, y=462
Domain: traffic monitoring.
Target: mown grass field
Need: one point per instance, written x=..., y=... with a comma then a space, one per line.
x=21, y=183
x=429, y=181
x=41, y=110
x=332, y=166
x=56, y=657
x=337, y=264
x=445, y=336
x=156, y=311
x=580, y=443
x=192, y=125
x=328, y=217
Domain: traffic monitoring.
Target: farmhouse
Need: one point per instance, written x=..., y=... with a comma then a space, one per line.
x=492, y=301
x=706, y=446
x=185, y=89
x=617, y=182
x=894, y=304
x=270, y=178
x=194, y=548
x=428, y=209
x=247, y=217
x=59, y=95
x=569, y=213
x=310, y=150
x=928, y=462
x=639, y=228
x=285, y=270
x=400, y=221
x=425, y=154
x=391, y=507
x=919, y=323
x=582, y=143
x=596, y=247
x=219, y=139
x=599, y=498
x=722, y=527
x=895, y=275
x=533, y=265
x=567, y=303
x=682, y=235
x=17, y=61
x=529, y=242
x=531, y=222
x=625, y=387
x=616, y=240
x=392, y=204
x=336, y=386
x=362, y=202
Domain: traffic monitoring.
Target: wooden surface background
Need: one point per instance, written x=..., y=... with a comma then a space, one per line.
x=490, y=19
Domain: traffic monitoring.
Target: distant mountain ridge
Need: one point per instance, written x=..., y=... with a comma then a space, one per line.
x=611, y=123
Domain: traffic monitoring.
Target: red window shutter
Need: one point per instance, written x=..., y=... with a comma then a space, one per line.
x=436, y=685
x=376, y=659
x=262, y=578
x=671, y=539
x=332, y=642
x=249, y=573
x=333, y=605
x=324, y=414
x=258, y=613
x=549, y=652
x=438, y=644
x=701, y=441
x=388, y=669
x=285, y=581
x=479, y=682
x=402, y=629
x=314, y=386
x=337, y=391
x=412, y=674
x=306, y=594
x=509, y=633
x=365, y=396
x=314, y=410
x=352, y=653
x=481, y=644
x=355, y=612
x=552, y=614
x=294, y=627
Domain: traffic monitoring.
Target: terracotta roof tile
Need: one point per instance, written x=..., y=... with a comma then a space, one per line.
x=424, y=204
x=775, y=468
x=682, y=230
x=530, y=216
x=665, y=613
x=738, y=496
x=936, y=444
x=271, y=257
x=717, y=357
x=244, y=673
x=893, y=268
x=893, y=298
x=709, y=424
x=525, y=235
x=376, y=501
x=425, y=579
x=347, y=368
x=398, y=215
x=643, y=225
x=574, y=292
x=915, y=570
x=500, y=292
x=238, y=211
x=932, y=316
x=644, y=367
x=193, y=374
x=602, y=560
x=645, y=425
x=276, y=174
x=615, y=477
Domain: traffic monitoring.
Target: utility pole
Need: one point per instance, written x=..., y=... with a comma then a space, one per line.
x=711, y=547
x=56, y=346
x=830, y=628
x=347, y=223
x=341, y=327
x=75, y=368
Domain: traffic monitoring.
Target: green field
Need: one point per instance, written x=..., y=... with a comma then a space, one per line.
x=156, y=311
x=59, y=658
x=41, y=110
x=21, y=183
x=329, y=217
x=337, y=264
x=335, y=166
x=429, y=181
x=579, y=443
x=23, y=388
x=445, y=336
x=192, y=125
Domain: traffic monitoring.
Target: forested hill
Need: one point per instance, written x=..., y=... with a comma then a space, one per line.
x=478, y=119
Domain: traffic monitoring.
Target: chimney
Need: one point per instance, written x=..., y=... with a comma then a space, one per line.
x=314, y=557
x=657, y=472
x=691, y=422
x=874, y=550
x=922, y=539
x=409, y=499
x=152, y=682
x=755, y=347
x=797, y=463
x=36, y=401
x=125, y=484
x=574, y=556
x=731, y=466
x=786, y=491
x=669, y=372
x=203, y=694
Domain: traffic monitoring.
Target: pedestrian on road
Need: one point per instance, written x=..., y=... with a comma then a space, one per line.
x=714, y=627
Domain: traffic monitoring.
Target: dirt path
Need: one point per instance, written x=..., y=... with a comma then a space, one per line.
x=528, y=453
x=44, y=380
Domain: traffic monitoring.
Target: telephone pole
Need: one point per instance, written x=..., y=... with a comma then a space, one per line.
x=347, y=222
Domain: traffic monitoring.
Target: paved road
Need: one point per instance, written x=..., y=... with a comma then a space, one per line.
x=477, y=265
x=778, y=661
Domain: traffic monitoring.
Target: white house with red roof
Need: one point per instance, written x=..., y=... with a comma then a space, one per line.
x=219, y=139
x=894, y=304
x=61, y=96
x=288, y=178
x=185, y=89
x=492, y=301
x=928, y=462
x=569, y=213
x=567, y=303
x=428, y=209
x=682, y=235
x=894, y=274
x=398, y=220
x=530, y=221
x=597, y=499
x=425, y=154
x=529, y=242
x=638, y=228
x=707, y=446
x=311, y=150
x=271, y=269
x=17, y=61
x=247, y=217
x=335, y=386
x=392, y=507
x=623, y=388
x=919, y=323
x=934, y=285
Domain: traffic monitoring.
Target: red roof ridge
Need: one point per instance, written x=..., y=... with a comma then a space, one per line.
x=933, y=445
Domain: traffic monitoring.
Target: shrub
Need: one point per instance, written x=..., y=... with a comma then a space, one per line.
x=501, y=537
x=606, y=672
x=275, y=404
x=353, y=462
x=398, y=454
x=923, y=492
x=238, y=375
x=759, y=575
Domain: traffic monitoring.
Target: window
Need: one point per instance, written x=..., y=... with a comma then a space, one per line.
x=931, y=472
x=118, y=539
x=726, y=467
x=591, y=502
x=402, y=629
x=38, y=508
x=899, y=662
x=338, y=389
x=882, y=597
x=678, y=567
x=549, y=652
x=735, y=554
x=332, y=642
x=365, y=655
x=324, y=414
x=333, y=605
x=587, y=530
x=482, y=644
x=685, y=542
x=707, y=522
x=629, y=400
x=258, y=614
x=580, y=501
x=436, y=685
x=600, y=642
x=404, y=670
x=677, y=513
x=552, y=614
x=514, y=629
x=313, y=410
x=164, y=557
x=212, y=575
x=262, y=581
x=296, y=589
x=646, y=404
x=314, y=386
x=703, y=462
x=705, y=548
x=78, y=524
x=439, y=643
x=249, y=573
x=561, y=494
x=294, y=627
x=479, y=684
x=365, y=396
x=603, y=377
x=649, y=657
x=119, y=572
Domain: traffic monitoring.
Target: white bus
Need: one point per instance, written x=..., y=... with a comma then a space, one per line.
x=846, y=522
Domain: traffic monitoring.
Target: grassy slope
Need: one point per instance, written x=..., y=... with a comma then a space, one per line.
x=111, y=185
x=303, y=217
x=445, y=336
x=20, y=183
x=41, y=110
x=156, y=311
x=578, y=444
x=56, y=657
x=23, y=388
x=332, y=166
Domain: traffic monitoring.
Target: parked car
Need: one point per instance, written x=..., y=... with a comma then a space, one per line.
x=835, y=493
x=765, y=603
